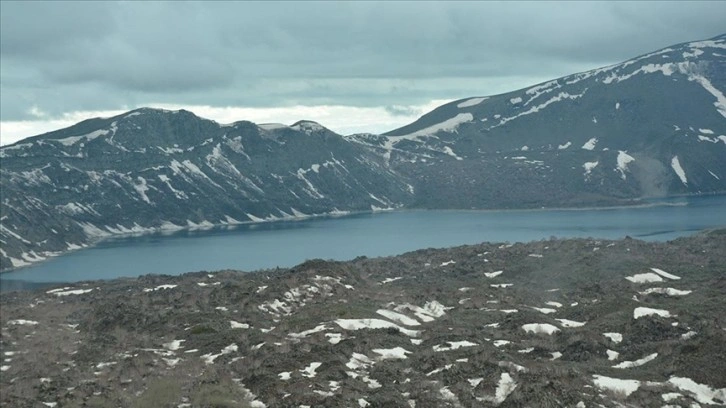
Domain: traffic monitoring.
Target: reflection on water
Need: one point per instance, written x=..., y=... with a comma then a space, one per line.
x=267, y=245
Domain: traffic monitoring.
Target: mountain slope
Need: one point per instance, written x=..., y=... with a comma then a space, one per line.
x=151, y=169
x=651, y=126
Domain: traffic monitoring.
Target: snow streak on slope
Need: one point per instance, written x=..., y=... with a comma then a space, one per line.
x=448, y=125
x=676, y=165
x=471, y=102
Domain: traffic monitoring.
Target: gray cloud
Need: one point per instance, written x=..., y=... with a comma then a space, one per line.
x=62, y=56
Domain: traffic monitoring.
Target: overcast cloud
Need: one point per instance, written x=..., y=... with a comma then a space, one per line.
x=349, y=63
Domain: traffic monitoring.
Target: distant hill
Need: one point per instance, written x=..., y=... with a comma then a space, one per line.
x=649, y=127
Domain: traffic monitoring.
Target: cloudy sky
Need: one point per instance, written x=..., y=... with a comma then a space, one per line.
x=353, y=66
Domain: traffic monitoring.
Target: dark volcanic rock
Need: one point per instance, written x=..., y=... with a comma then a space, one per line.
x=396, y=331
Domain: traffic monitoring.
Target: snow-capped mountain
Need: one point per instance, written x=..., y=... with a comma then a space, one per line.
x=652, y=126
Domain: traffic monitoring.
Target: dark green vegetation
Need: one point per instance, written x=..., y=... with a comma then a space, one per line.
x=239, y=339
x=652, y=126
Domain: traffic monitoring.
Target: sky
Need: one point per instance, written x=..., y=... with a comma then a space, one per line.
x=351, y=66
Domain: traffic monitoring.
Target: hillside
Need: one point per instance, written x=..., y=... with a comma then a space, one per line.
x=651, y=126
x=151, y=169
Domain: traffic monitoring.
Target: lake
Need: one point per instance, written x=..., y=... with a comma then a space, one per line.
x=267, y=245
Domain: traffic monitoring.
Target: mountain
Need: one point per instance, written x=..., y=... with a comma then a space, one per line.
x=153, y=169
x=649, y=127
x=652, y=126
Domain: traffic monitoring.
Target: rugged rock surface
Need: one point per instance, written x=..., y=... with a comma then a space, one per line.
x=651, y=126
x=632, y=324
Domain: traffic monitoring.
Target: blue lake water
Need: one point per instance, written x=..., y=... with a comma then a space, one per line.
x=267, y=245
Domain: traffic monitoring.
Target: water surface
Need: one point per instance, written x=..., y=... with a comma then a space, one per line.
x=284, y=244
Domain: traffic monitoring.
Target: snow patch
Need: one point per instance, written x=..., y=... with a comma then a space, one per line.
x=688, y=335
x=475, y=381
x=427, y=313
x=451, y=153
x=70, y=141
x=590, y=144
x=666, y=291
x=623, y=160
x=160, y=287
x=392, y=353
x=398, y=317
x=334, y=338
x=544, y=310
x=303, y=334
x=570, y=323
x=505, y=386
x=209, y=358
x=22, y=322
x=615, y=337
x=665, y=274
x=309, y=371
x=644, y=278
x=646, y=311
x=615, y=384
x=448, y=125
x=588, y=166
x=471, y=102
x=238, y=325
x=560, y=97
x=676, y=165
x=62, y=292
x=454, y=345
x=636, y=363
x=703, y=393
x=540, y=328
x=173, y=345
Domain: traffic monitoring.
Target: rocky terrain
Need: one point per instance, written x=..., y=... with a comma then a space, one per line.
x=649, y=127
x=578, y=323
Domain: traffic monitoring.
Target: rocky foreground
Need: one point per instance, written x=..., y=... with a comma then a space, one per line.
x=579, y=323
